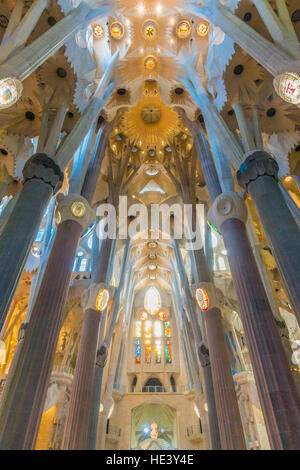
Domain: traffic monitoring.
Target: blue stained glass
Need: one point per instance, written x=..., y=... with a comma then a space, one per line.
x=138, y=351
x=168, y=353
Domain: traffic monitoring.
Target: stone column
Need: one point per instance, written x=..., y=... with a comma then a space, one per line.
x=27, y=60
x=258, y=175
x=278, y=395
x=107, y=398
x=230, y=424
x=79, y=411
x=269, y=55
x=102, y=354
x=23, y=30
x=229, y=420
x=21, y=412
x=42, y=178
x=77, y=421
x=203, y=354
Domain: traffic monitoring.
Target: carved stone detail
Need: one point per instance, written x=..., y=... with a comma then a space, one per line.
x=228, y=205
x=257, y=164
x=66, y=210
x=42, y=167
x=89, y=295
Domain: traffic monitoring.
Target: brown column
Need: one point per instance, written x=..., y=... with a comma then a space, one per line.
x=22, y=410
x=78, y=417
x=277, y=392
x=230, y=424
x=276, y=388
x=76, y=430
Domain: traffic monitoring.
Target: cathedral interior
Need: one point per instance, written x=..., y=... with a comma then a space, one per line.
x=144, y=340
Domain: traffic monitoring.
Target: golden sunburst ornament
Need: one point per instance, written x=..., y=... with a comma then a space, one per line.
x=150, y=63
x=150, y=121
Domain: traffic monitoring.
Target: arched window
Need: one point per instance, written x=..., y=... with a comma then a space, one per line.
x=152, y=332
x=152, y=301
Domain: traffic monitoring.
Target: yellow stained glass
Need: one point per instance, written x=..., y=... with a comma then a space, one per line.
x=148, y=353
x=138, y=329
x=147, y=330
x=167, y=329
x=157, y=352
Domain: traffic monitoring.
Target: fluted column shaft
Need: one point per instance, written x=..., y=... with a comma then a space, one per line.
x=207, y=164
x=278, y=395
x=18, y=234
x=258, y=175
x=81, y=401
x=230, y=425
x=271, y=369
x=231, y=430
x=76, y=426
x=202, y=352
x=22, y=411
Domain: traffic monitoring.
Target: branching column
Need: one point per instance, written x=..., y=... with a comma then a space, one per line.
x=274, y=58
x=22, y=410
x=42, y=178
x=202, y=351
x=229, y=420
x=230, y=424
x=78, y=422
x=259, y=176
x=277, y=392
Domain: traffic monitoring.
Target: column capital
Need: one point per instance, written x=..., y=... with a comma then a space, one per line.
x=42, y=167
x=74, y=207
x=95, y=297
x=228, y=205
x=259, y=163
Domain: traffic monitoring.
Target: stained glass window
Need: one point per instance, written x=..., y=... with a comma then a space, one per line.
x=138, y=329
x=157, y=329
x=162, y=315
x=157, y=351
x=143, y=315
x=152, y=301
x=148, y=352
x=167, y=329
x=138, y=351
x=168, y=352
x=148, y=325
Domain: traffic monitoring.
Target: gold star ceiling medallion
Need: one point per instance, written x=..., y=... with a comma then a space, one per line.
x=151, y=123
